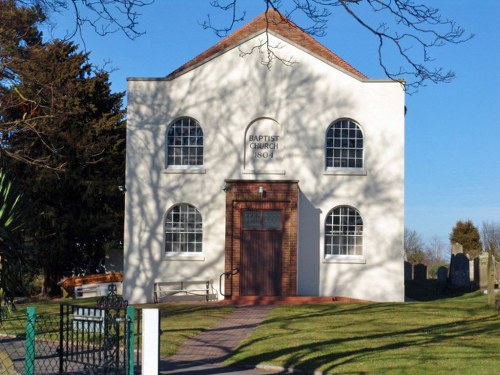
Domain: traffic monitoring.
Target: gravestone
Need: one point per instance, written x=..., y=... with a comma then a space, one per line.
x=471, y=268
x=420, y=272
x=442, y=274
x=457, y=249
x=408, y=270
x=459, y=271
x=481, y=270
x=497, y=274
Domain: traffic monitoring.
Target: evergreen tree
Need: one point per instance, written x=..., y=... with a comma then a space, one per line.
x=63, y=129
x=466, y=234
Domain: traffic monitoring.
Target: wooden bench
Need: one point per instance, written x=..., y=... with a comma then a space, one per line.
x=185, y=288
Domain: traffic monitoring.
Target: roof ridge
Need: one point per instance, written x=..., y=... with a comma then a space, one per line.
x=271, y=20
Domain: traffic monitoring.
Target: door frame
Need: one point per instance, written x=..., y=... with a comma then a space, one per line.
x=261, y=195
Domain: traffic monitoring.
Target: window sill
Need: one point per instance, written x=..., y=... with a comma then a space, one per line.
x=184, y=257
x=345, y=172
x=187, y=169
x=344, y=259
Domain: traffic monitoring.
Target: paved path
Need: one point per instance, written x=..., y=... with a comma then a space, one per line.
x=203, y=353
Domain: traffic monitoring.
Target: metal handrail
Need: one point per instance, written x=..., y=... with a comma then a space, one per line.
x=231, y=273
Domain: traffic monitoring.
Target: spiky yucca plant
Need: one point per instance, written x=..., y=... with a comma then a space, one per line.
x=12, y=254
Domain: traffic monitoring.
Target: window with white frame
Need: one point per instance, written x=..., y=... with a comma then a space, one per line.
x=184, y=143
x=183, y=230
x=343, y=232
x=344, y=145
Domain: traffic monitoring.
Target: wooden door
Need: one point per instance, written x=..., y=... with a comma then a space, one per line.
x=260, y=262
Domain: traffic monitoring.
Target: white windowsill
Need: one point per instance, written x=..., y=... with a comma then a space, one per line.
x=345, y=171
x=344, y=259
x=185, y=169
x=184, y=257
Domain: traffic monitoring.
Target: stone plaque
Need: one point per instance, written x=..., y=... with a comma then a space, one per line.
x=264, y=147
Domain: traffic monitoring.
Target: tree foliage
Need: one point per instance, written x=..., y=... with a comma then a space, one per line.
x=466, y=234
x=22, y=108
x=64, y=130
x=404, y=28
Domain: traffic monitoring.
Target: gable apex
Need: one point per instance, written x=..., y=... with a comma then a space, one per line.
x=271, y=21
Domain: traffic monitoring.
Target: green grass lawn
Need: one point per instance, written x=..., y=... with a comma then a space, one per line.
x=459, y=335
x=180, y=322
x=14, y=323
x=455, y=335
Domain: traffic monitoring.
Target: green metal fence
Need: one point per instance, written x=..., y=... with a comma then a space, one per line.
x=34, y=343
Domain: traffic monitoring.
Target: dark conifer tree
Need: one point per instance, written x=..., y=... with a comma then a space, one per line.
x=62, y=134
x=466, y=234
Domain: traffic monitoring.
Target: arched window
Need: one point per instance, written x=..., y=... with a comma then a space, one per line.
x=184, y=142
x=183, y=229
x=344, y=145
x=343, y=232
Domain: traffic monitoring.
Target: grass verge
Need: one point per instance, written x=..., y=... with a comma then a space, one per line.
x=178, y=322
x=459, y=335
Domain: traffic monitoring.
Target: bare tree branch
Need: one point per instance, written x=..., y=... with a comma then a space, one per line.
x=229, y=6
x=104, y=16
x=269, y=51
x=404, y=28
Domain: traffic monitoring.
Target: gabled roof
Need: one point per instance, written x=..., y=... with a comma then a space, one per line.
x=272, y=21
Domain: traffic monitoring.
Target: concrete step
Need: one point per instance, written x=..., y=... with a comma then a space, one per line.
x=287, y=300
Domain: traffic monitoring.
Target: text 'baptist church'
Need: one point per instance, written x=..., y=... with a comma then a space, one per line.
x=263, y=142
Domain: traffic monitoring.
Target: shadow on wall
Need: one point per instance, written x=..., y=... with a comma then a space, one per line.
x=308, y=256
x=224, y=115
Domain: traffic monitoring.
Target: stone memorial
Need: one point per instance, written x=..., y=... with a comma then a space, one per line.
x=457, y=249
x=408, y=271
x=471, y=269
x=481, y=270
x=420, y=272
x=442, y=274
x=497, y=275
x=459, y=271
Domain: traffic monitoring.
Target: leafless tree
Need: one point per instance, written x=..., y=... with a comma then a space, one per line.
x=409, y=29
x=436, y=249
x=414, y=247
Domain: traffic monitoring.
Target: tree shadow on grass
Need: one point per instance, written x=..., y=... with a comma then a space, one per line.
x=332, y=354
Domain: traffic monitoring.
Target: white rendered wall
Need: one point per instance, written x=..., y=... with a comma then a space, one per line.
x=225, y=95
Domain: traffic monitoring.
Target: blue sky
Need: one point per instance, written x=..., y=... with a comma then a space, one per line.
x=452, y=130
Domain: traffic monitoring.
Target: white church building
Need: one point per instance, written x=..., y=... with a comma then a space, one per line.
x=286, y=181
